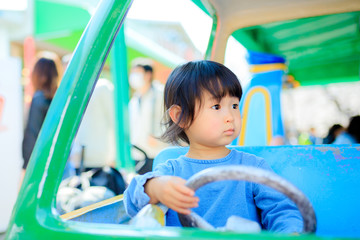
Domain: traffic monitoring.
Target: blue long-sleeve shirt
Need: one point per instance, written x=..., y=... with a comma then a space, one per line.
x=220, y=200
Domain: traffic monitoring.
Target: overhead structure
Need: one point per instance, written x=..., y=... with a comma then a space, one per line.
x=319, y=38
x=58, y=25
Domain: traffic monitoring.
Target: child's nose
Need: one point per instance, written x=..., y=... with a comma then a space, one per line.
x=229, y=116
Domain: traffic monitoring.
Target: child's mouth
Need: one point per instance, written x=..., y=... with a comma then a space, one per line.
x=229, y=131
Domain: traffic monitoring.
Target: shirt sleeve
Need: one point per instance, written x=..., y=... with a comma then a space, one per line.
x=278, y=213
x=135, y=197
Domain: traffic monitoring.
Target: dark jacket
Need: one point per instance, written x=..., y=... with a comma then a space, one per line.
x=38, y=109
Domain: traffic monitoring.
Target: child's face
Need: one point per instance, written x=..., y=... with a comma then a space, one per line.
x=215, y=123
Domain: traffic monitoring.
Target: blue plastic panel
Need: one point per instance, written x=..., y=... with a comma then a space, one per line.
x=329, y=175
x=261, y=111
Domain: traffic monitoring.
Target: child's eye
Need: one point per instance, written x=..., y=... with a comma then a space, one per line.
x=235, y=106
x=216, y=107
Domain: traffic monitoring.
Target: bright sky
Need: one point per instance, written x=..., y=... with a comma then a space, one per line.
x=13, y=4
x=198, y=28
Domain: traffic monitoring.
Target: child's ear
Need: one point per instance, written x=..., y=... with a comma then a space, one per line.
x=174, y=113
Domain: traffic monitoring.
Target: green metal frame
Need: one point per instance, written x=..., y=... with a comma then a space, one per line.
x=33, y=215
x=209, y=10
x=121, y=88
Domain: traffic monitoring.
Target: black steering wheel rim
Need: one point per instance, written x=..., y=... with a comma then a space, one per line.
x=251, y=174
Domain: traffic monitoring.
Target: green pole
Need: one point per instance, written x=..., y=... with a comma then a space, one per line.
x=121, y=98
x=34, y=213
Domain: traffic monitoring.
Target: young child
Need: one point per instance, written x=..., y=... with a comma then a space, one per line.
x=202, y=101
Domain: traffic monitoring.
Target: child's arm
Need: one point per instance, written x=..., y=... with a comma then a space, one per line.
x=159, y=186
x=172, y=192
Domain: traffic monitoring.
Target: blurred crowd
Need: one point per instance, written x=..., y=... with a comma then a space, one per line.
x=337, y=134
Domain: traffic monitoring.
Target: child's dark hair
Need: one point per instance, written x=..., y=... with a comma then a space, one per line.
x=186, y=84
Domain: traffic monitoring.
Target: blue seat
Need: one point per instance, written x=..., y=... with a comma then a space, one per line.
x=329, y=175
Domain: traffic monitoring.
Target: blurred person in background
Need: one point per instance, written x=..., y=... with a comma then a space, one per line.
x=95, y=139
x=309, y=137
x=352, y=133
x=44, y=78
x=92, y=158
x=334, y=131
x=94, y=144
x=312, y=136
x=145, y=112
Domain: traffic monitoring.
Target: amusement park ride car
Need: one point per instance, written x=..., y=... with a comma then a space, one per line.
x=328, y=176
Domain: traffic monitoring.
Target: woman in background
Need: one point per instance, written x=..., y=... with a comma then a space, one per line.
x=334, y=131
x=44, y=78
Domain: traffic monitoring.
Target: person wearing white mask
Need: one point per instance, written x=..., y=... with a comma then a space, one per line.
x=145, y=112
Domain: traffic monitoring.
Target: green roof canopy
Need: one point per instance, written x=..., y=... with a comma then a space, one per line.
x=59, y=24
x=319, y=50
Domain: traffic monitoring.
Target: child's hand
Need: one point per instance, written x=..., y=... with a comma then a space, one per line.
x=172, y=192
